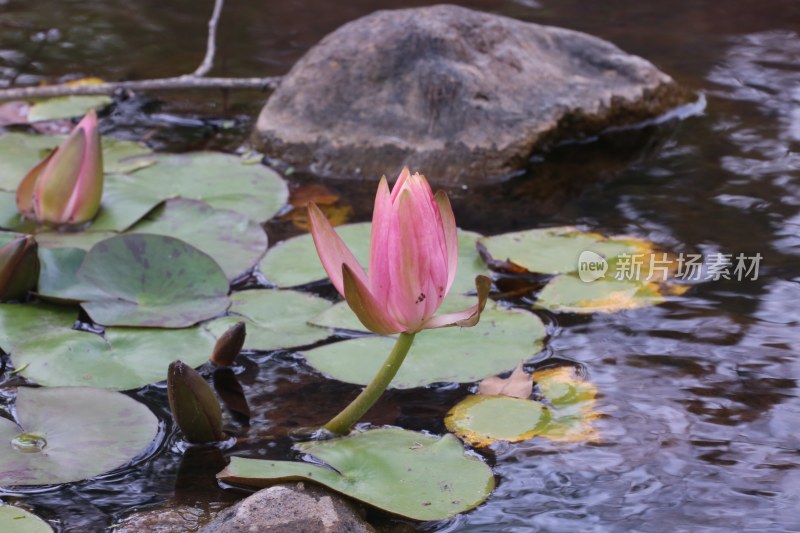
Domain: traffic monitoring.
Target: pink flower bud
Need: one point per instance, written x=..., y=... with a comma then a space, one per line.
x=19, y=268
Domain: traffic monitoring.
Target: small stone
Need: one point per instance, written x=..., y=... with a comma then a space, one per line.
x=300, y=508
x=168, y=519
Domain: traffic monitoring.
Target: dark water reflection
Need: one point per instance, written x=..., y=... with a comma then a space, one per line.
x=699, y=396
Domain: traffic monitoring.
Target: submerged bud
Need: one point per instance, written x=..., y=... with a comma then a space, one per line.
x=194, y=405
x=229, y=345
x=65, y=187
x=19, y=268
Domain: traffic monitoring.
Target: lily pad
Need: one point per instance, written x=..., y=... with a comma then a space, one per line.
x=482, y=420
x=153, y=280
x=568, y=294
x=295, y=262
x=406, y=473
x=121, y=358
x=58, y=279
x=556, y=250
x=66, y=107
x=9, y=214
x=460, y=355
x=16, y=520
x=72, y=433
x=274, y=318
x=573, y=400
x=23, y=322
x=234, y=241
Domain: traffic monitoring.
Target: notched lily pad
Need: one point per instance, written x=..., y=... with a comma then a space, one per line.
x=66, y=107
x=152, y=280
x=121, y=358
x=460, y=355
x=568, y=294
x=71, y=433
x=24, y=322
x=274, y=318
x=406, y=473
x=58, y=279
x=16, y=520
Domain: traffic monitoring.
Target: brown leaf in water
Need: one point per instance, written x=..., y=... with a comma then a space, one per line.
x=313, y=192
x=518, y=385
x=14, y=113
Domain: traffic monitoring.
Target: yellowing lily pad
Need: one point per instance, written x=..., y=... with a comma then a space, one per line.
x=66, y=107
x=120, y=359
x=459, y=355
x=16, y=520
x=274, y=318
x=568, y=294
x=152, y=280
x=71, y=433
x=406, y=473
x=572, y=400
x=295, y=261
x=481, y=420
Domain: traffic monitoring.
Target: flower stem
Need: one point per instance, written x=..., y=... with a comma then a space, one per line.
x=351, y=414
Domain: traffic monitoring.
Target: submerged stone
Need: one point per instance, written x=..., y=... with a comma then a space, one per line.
x=463, y=96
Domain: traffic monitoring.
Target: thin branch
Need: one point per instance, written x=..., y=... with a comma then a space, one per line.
x=161, y=84
x=211, y=47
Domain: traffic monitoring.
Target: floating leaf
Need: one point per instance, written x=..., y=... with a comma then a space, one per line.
x=82, y=239
x=234, y=241
x=568, y=294
x=274, y=318
x=462, y=355
x=23, y=322
x=481, y=420
x=66, y=107
x=295, y=262
x=573, y=401
x=16, y=520
x=403, y=472
x=58, y=280
x=121, y=359
x=71, y=433
x=554, y=250
x=518, y=385
x=9, y=214
x=153, y=280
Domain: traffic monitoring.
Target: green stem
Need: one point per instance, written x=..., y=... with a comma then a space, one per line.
x=341, y=423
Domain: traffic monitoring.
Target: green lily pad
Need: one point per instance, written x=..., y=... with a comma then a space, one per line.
x=58, y=279
x=556, y=250
x=482, y=420
x=21, y=151
x=121, y=156
x=568, y=294
x=9, y=214
x=23, y=322
x=16, y=520
x=572, y=399
x=295, y=262
x=66, y=107
x=459, y=355
x=152, y=280
x=82, y=239
x=121, y=359
x=234, y=241
x=275, y=318
x=71, y=433
x=406, y=473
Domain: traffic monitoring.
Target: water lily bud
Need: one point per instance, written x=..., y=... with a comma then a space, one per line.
x=194, y=405
x=65, y=187
x=19, y=268
x=229, y=345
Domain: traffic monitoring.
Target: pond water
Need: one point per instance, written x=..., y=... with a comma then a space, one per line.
x=699, y=396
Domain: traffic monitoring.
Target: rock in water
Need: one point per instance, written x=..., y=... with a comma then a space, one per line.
x=464, y=97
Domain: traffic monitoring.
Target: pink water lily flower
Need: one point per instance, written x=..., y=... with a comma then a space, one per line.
x=66, y=186
x=412, y=261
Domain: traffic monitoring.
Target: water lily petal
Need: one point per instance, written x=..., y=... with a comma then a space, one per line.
x=450, y=235
x=468, y=317
x=25, y=189
x=401, y=181
x=332, y=250
x=369, y=311
x=85, y=198
x=379, y=276
x=58, y=179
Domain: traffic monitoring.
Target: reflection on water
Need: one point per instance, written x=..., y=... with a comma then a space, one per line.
x=699, y=396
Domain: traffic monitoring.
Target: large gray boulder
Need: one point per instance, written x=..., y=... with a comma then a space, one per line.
x=462, y=96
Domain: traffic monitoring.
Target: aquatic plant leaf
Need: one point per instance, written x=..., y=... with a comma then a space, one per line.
x=295, y=261
x=274, y=318
x=573, y=400
x=234, y=241
x=568, y=294
x=406, y=473
x=518, y=385
x=16, y=520
x=66, y=107
x=71, y=433
x=121, y=359
x=58, y=280
x=9, y=213
x=501, y=339
x=24, y=322
x=152, y=280
x=553, y=250
x=21, y=151
x=81, y=239
x=481, y=420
